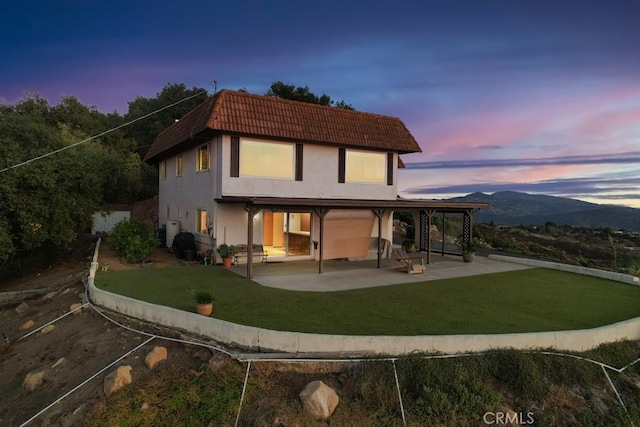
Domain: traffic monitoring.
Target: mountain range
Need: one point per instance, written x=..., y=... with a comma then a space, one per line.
x=514, y=208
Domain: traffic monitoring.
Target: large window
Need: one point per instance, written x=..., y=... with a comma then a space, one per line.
x=201, y=221
x=365, y=166
x=179, y=165
x=203, y=158
x=267, y=159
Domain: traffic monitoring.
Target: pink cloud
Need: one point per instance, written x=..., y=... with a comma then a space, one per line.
x=570, y=120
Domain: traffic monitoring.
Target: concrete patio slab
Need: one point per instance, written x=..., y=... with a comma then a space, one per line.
x=347, y=275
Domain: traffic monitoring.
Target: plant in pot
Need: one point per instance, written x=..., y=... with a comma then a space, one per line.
x=410, y=245
x=469, y=248
x=226, y=252
x=204, y=302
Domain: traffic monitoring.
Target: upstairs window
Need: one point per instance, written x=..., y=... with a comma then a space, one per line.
x=179, y=165
x=362, y=166
x=267, y=159
x=203, y=158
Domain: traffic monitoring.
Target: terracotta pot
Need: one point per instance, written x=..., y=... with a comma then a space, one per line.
x=468, y=256
x=204, y=309
x=227, y=262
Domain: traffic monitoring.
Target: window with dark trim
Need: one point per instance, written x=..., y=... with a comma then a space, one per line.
x=179, y=165
x=364, y=166
x=203, y=158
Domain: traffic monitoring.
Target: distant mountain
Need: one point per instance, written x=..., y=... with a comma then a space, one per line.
x=513, y=208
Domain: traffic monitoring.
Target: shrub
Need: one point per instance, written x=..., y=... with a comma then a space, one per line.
x=132, y=240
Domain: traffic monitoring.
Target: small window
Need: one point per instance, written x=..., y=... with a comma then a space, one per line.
x=203, y=158
x=163, y=169
x=201, y=221
x=179, y=165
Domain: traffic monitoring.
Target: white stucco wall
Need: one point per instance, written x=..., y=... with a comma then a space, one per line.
x=183, y=195
x=320, y=179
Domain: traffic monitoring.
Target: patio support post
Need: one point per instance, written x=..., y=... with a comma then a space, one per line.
x=321, y=212
x=425, y=232
x=379, y=213
x=443, y=231
x=251, y=212
x=467, y=226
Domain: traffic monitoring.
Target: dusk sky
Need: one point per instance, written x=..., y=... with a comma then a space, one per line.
x=535, y=96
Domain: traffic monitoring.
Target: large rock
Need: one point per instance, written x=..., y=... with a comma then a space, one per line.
x=49, y=296
x=21, y=308
x=155, y=356
x=76, y=307
x=27, y=325
x=319, y=400
x=47, y=329
x=33, y=380
x=117, y=379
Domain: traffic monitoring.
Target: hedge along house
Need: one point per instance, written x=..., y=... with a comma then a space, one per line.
x=305, y=181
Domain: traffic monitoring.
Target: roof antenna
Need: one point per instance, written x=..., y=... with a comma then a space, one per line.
x=215, y=87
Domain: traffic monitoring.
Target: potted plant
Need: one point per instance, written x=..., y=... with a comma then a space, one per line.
x=204, y=302
x=409, y=245
x=469, y=248
x=226, y=252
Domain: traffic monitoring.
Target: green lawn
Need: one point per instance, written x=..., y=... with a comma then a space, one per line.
x=519, y=301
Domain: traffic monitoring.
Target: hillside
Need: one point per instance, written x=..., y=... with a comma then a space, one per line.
x=514, y=208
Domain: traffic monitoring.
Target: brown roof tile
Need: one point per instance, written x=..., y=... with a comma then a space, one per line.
x=243, y=113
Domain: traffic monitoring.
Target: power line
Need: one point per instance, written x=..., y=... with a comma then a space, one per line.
x=100, y=134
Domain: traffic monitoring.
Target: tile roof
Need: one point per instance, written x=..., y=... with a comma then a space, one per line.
x=262, y=116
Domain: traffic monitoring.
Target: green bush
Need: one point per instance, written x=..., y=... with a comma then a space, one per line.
x=132, y=240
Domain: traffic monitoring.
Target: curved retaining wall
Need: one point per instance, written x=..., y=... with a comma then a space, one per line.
x=259, y=339
x=618, y=277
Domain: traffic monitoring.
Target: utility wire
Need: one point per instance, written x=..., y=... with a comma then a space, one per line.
x=101, y=134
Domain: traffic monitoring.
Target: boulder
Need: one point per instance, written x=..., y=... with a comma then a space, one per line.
x=27, y=325
x=76, y=307
x=33, y=380
x=49, y=296
x=117, y=379
x=155, y=356
x=47, y=329
x=21, y=308
x=319, y=400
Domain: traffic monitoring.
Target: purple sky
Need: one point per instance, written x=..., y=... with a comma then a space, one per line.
x=537, y=96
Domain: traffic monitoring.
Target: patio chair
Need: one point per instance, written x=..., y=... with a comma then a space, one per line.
x=411, y=265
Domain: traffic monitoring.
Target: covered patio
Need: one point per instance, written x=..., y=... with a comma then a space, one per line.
x=346, y=275
x=422, y=210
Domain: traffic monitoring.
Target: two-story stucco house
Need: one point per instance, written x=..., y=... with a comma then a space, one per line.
x=305, y=181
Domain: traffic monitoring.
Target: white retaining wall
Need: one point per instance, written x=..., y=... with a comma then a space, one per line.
x=258, y=339
x=618, y=277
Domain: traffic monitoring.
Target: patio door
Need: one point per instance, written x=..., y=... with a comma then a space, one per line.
x=287, y=234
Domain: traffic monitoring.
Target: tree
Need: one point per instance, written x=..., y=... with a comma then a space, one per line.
x=45, y=203
x=282, y=90
x=144, y=132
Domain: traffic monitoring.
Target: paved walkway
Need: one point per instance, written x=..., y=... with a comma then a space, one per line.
x=346, y=275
